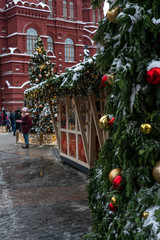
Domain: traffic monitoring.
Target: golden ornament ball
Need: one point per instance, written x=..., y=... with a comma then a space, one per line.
x=145, y=214
x=40, y=76
x=156, y=172
x=103, y=122
x=114, y=173
x=114, y=201
x=41, y=106
x=112, y=15
x=146, y=128
x=51, y=122
x=110, y=79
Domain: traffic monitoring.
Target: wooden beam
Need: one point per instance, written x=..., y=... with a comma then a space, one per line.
x=92, y=143
x=81, y=126
x=96, y=119
x=54, y=123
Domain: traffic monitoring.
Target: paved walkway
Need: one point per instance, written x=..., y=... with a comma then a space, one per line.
x=41, y=198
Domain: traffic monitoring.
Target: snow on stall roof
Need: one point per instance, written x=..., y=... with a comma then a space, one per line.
x=153, y=64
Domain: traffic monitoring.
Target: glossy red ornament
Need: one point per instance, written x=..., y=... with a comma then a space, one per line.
x=153, y=76
x=117, y=183
x=104, y=81
x=112, y=207
x=111, y=122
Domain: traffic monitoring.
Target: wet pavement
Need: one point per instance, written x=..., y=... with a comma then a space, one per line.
x=40, y=197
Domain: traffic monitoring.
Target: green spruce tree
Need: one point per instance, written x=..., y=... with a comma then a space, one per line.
x=127, y=205
x=40, y=70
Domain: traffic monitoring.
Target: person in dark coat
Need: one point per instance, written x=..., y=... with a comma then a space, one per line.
x=12, y=119
x=25, y=126
x=17, y=123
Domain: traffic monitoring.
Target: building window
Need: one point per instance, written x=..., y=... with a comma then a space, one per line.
x=69, y=50
x=31, y=40
x=71, y=11
x=99, y=14
x=51, y=8
x=65, y=10
x=50, y=44
x=94, y=16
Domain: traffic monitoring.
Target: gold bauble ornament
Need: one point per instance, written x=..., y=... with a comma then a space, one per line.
x=41, y=106
x=103, y=122
x=51, y=122
x=146, y=128
x=114, y=173
x=112, y=15
x=114, y=201
x=145, y=214
x=156, y=172
x=110, y=79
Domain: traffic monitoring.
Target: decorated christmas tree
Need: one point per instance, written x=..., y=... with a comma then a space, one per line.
x=124, y=188
x=40, y=71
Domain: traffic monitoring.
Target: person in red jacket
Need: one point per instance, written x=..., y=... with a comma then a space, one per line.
x=25, y=126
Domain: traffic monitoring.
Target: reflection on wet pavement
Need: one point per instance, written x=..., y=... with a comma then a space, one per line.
x=41, y=198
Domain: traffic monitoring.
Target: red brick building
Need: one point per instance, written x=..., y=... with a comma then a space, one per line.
x=65, y=27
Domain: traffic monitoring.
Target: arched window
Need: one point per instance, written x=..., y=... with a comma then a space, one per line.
x=31, y=39
x=69, y=50
x=51, y=8
x=71, y=11
x=50, y=44
x=94, y=16
x=99, y=14
x=65, y=10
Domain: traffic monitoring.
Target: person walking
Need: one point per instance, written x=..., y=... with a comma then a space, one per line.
x=25, y=126
x=4, y=115
x=8, y=123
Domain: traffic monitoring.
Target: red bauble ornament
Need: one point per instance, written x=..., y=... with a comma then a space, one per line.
x=111, y=122
x=104, y=81
x=117, y=183
x=112, y=207
x=153, y=76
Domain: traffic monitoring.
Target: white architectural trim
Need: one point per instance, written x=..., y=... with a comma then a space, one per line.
x=89, y=39
x=9, y=85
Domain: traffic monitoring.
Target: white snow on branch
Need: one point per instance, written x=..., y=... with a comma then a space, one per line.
x=156, y=21
x=135, y=90
x=152, y=220
x=153, y=64
x=105, y=7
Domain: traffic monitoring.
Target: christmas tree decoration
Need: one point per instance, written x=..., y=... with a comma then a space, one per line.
x=114, y=173
x=153, y=76
x=156, y=172
x=146, y=128
x=103, y=122
x=104, y=80
x=132, y=51
x=145, y=214
x=117, y=183
x=114, y=201
x=112, y=207
x=112, y=15
x=110, y=79
x=106, y=121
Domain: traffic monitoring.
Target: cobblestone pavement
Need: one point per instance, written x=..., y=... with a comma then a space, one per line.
x=40, y=198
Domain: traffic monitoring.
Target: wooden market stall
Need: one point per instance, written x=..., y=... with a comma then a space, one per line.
x=76, y=103
x=78, y=134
